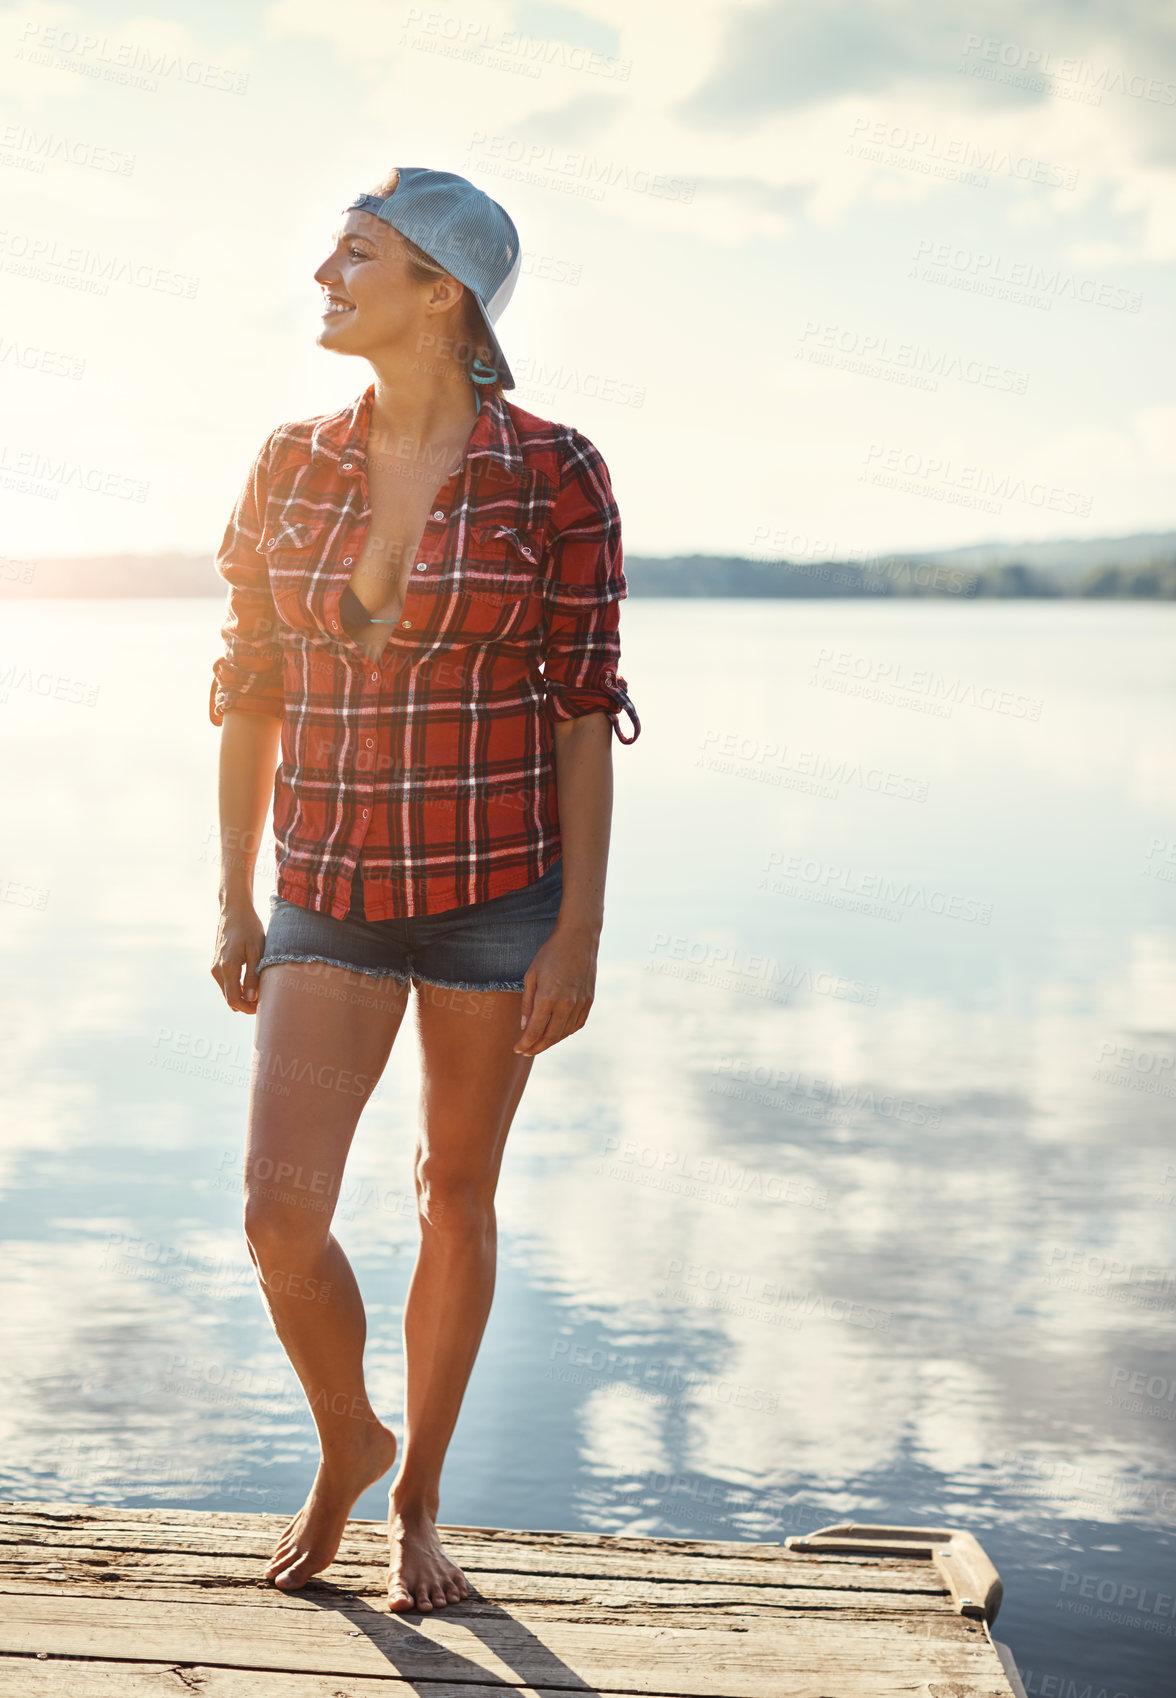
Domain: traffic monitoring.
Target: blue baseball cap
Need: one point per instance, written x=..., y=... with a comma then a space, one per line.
x=463, y=230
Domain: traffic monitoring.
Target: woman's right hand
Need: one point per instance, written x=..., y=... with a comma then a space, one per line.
x=240, y=940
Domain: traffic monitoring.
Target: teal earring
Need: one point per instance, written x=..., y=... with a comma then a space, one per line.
x=486, y=374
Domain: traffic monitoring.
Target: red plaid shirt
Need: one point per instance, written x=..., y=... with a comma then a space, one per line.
x=432, y=767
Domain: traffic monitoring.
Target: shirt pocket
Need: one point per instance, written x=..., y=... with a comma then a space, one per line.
x=288, y=548
x=500, y=580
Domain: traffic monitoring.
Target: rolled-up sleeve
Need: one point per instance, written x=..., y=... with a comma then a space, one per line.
x=248, y=676
x=584, y=583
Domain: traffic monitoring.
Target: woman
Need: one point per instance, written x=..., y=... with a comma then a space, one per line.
x=423, y=610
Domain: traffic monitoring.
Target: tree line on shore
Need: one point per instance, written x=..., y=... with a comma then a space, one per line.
x=697, y=575
x=896, y=575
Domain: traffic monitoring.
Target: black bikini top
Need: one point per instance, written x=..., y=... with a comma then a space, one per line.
x=353, y=615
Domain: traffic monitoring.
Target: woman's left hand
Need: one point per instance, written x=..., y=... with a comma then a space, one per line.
x=560, y=986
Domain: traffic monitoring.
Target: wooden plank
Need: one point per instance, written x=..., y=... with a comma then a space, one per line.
x=705, y=1660
x=25, y=1565
x=237, y=1523
x=364, y=1547
x=349, y=1572
x=28, y=1678
x=580, y=1599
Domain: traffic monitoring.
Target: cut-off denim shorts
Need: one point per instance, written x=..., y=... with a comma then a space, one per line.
x=483, y=946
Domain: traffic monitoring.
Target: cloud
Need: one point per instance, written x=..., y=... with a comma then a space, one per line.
x=777, y=201
x=583, y=120
x=780, y=57
x=566, y=23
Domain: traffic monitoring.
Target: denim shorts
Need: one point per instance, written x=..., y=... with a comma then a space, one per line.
x=481, y=946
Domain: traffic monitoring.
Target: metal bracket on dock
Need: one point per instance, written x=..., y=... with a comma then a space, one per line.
x=960, y=1560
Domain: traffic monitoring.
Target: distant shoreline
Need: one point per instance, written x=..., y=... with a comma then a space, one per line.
x=1139, y=568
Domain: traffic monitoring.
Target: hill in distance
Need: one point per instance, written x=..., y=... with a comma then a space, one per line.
x=1140, y=565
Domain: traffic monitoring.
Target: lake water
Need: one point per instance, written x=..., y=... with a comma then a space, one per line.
x=855, y=1197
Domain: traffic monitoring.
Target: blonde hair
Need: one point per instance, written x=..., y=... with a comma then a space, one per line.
x=471, y=342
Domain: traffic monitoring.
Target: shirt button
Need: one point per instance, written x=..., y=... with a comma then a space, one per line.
x=422, y=566
x=368, y=742
x=270, y=543
x=438, y=514
x=375, y=677
x=407, y=623
x=365, y=813
x=348, y=561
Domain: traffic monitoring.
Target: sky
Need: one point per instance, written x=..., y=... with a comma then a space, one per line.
x=818, y=281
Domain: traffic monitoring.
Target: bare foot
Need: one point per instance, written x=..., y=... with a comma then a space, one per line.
x=311, y=1540
x=420, y=1575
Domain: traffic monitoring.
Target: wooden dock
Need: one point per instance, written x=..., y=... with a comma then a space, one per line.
x=143, y=1603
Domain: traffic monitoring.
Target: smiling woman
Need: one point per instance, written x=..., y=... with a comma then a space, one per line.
x=468, y=345
x=423, y=611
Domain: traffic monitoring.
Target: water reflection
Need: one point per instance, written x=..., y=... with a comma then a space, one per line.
x=855, y=1196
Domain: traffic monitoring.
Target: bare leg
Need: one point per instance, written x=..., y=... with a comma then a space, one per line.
x=472, y=1082
x=322, y=1039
